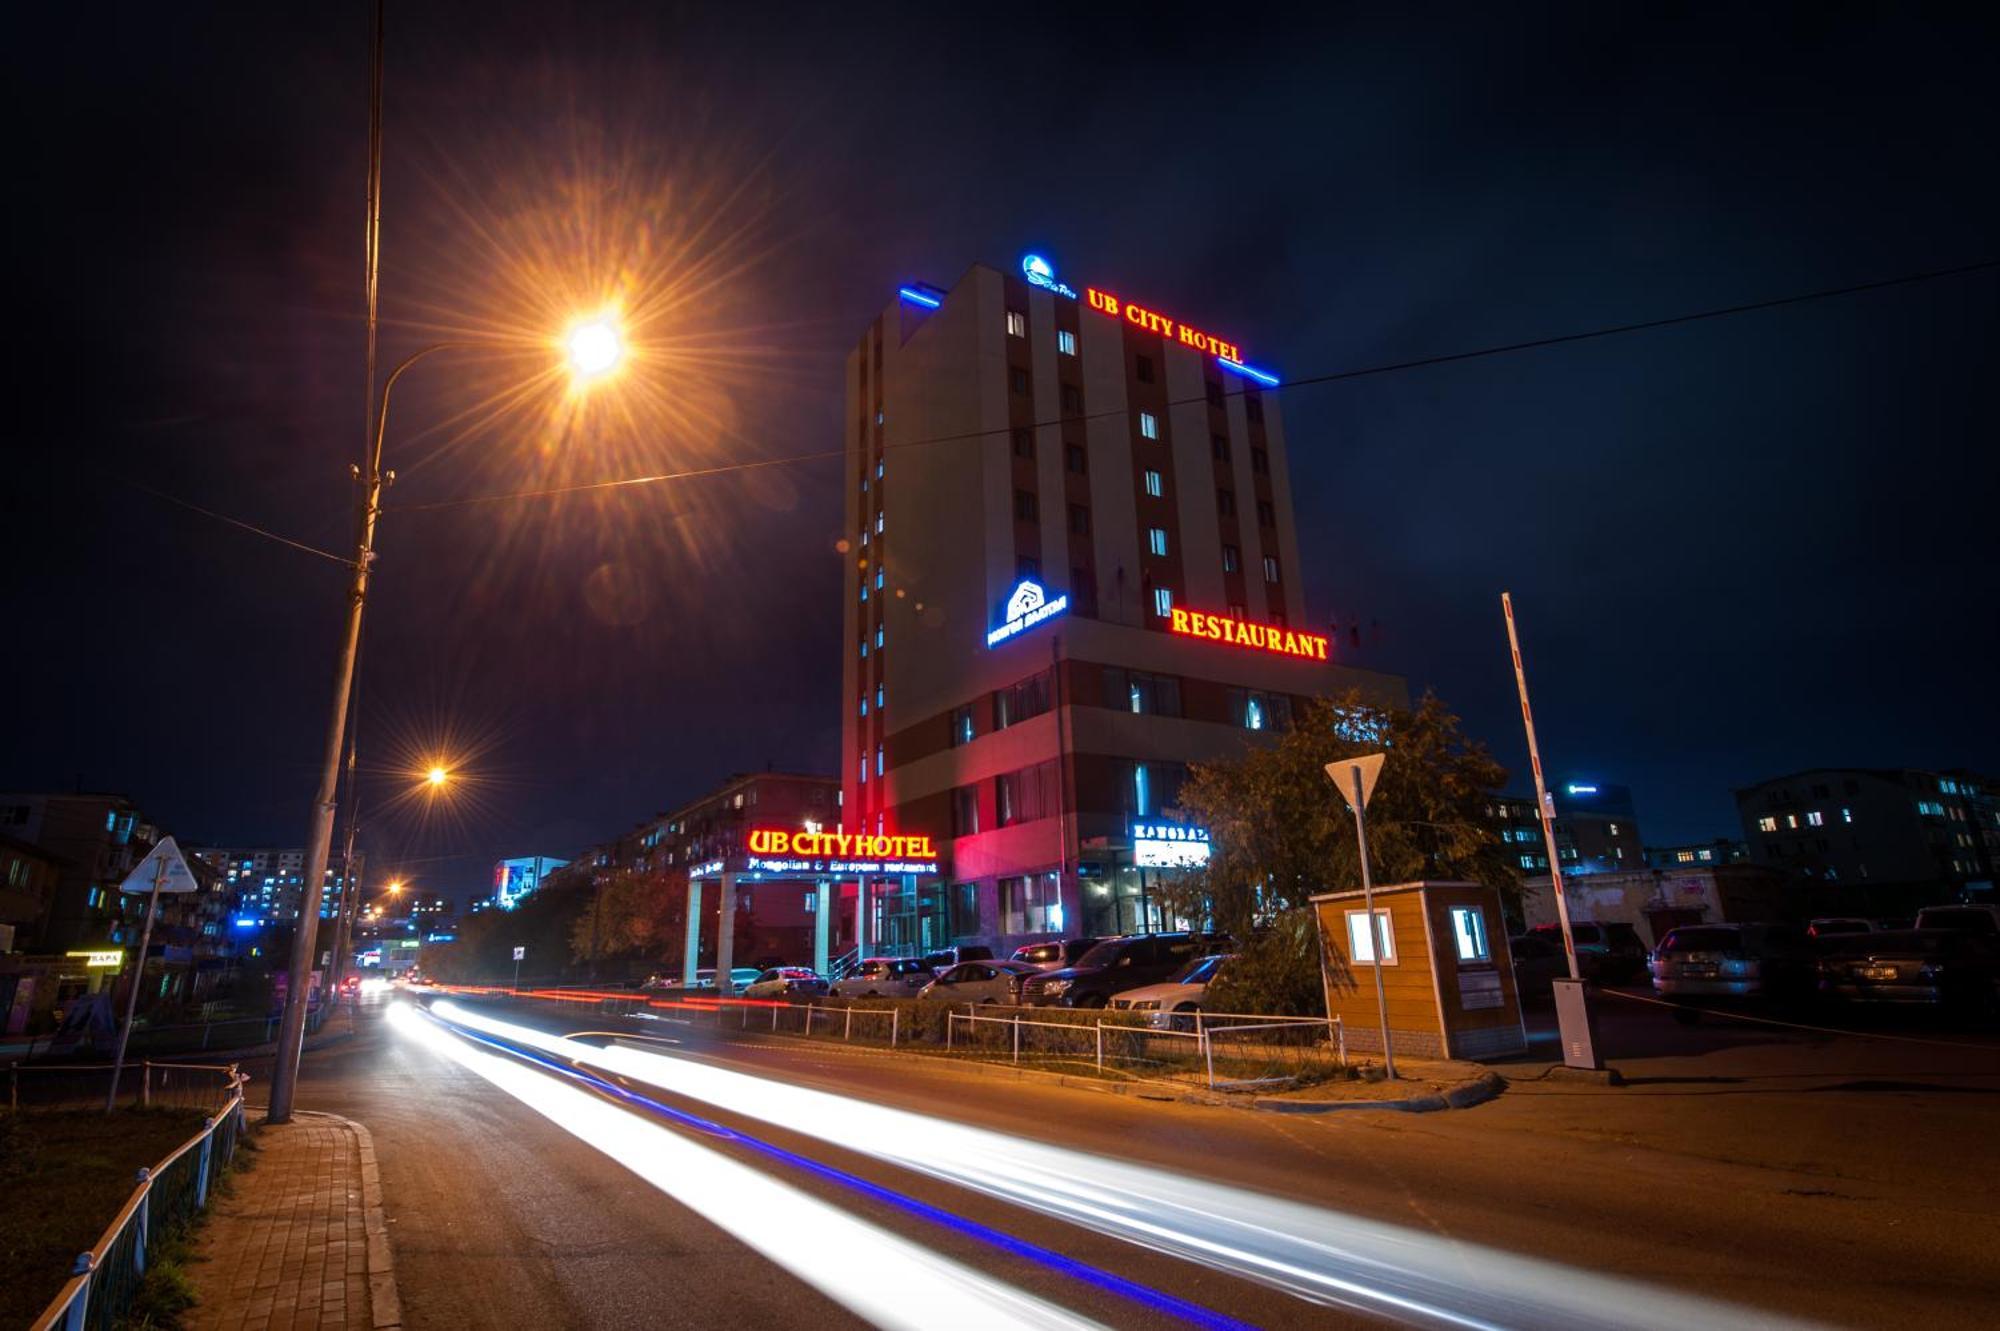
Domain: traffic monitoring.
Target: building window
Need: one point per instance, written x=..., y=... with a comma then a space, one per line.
x=1024, y=443
x=1142, y=693
x=1163, y=601
x=878, y=523
x=1267, y=516
x=1363, y=942
x=1143, y=366
x=1075, y=460
x=1155, y=483
x=1065, y=342
x=878, y=635
x=878, y=760
x=1270, y=568
x=961, y=727
x=1816, y=818
x=881, y=696
x=1225, y=503
x=1026, y=509
x=965, y=811
x=1468, y=934
x=878, y=578
x=1260, y=711
x=1017, y=323
x=864, y=707
x=1017, y=381
x=1019, y=701
x=1218, y=447
x=1232, y=559
x=1260, y=462
x=1079, y=520
x=1156, y=540
x=1214, y=393
x=1253, y=408
x=1026, y=795
x=1149, y=425
x=1767, y=824
x=1072, y=400
x=1847, y=815
x=1031, y=904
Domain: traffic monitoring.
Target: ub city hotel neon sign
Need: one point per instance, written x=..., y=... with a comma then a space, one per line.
x=1041, y=273
x=781, y=850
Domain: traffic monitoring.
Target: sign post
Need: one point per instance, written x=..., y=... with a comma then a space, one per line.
x=1575, y=1027
x=163, y=870
x=519, y=952
x=1355, y=779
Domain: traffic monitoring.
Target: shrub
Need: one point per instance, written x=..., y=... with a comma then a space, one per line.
x=1276, y=972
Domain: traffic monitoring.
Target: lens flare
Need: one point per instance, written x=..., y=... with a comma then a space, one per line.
x=595, y=348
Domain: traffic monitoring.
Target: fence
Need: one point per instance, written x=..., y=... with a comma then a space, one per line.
x=204, y=1086
x=105, y=1280
x=1228, y=1051
x=196, y=1037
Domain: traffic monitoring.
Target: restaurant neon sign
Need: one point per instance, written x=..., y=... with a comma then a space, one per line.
x=1242, y=633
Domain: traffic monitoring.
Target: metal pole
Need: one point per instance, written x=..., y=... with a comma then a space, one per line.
x=517, y=973
x=138, y=975
x=1542, y=802
x=1375, y=938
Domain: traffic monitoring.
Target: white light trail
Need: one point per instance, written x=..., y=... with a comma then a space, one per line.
x=1321, y=1255
x=878, y=1275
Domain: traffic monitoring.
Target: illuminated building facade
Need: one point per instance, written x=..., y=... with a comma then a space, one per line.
x=516, y=878
x=265, y=884
x=1072, y=570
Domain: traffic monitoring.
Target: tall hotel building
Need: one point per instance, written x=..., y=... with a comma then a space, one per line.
x=1072, y=570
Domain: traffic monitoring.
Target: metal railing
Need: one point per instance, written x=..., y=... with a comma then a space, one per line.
x=196, y=1037
x=105, y=1280
x=203, y=1086
x=1252, y=1052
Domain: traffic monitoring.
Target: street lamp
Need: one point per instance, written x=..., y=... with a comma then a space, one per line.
x=595, y=348
x=437, y=776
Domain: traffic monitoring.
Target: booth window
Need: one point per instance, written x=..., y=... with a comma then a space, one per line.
x=1468, y=931
x=1360, y=946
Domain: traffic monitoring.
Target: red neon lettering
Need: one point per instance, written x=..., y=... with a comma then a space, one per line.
x=1239, y=633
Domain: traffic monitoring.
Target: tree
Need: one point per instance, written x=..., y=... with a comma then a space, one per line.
x=631, y=913
x=1282, y=834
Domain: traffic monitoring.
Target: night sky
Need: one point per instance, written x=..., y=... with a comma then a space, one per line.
x=1738, y=547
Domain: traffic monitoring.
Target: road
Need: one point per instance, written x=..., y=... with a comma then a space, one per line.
x=765, y=1181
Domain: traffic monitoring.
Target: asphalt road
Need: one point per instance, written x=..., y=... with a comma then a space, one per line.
x=1829, y=1179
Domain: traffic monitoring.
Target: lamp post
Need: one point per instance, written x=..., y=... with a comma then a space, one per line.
x=594, y=349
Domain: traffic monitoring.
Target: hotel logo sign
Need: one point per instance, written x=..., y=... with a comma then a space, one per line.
x=1041, y=273
x=1241, y=633
x=1027, y=606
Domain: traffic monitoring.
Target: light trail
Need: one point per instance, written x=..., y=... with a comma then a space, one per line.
x=876, y=1274
x=1313, y=1253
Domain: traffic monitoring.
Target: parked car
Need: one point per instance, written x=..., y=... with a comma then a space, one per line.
x=1538, y=963
x=1949, y=968
x=1609, y=953
x=740, y=977
x=1721, y=961
x=661, y=981
x=1117, y=964
x=1172, y=1003
x=1056, y=953
x=877, y=977
x=786, y=982
x=980, y=982
x=1836, y=926
x=1967, y=919
x=945, y=958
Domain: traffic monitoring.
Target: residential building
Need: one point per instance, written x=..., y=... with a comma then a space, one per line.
x=1656, y=900
x=1698, y=854
x=1597, y=830
x=266, y=884
x=1072, y=569
x=516, y=878
x=93, y=839
x=28, y=879
x=1936, y=833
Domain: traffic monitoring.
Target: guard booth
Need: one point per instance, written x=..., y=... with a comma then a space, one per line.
x=1447, y=976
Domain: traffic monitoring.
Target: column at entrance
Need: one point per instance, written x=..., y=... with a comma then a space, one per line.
x=861, y=917
x=691, y=954
x=822, y=924
x=725, y=936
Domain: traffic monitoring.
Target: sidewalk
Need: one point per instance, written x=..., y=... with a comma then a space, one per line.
x=300, y=1241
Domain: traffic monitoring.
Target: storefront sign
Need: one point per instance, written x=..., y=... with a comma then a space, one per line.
x=99, y=960
x=1153, y=322
x=1241, y=633
x=846, y=845
x=1169, y=846
x=1028, y=606
x=710, y=869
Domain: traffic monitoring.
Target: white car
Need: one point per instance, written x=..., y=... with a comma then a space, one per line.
x=786, y=982
x=1172, y=1003
x=883, y=977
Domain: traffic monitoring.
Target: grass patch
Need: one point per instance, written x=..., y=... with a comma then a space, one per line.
x=64, y=1174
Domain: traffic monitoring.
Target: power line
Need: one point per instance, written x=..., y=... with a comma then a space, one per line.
x=251, y=527
x=1337, y=376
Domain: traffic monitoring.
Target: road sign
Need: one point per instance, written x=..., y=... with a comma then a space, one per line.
x=1342, y=774
x=520, y=952
x=146, y=874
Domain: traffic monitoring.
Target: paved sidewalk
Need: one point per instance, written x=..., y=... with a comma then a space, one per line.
x=300, y=1242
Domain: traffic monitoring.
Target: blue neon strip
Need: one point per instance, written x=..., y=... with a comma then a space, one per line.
x=1268, y=380
x=918, y=298
x=1055, y=1261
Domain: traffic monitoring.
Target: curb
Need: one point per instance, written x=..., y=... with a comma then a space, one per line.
x=385, y=1303
x=1462, y=1096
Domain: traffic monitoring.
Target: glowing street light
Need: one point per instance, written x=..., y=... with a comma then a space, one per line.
x=437, y=776
x=595, y=348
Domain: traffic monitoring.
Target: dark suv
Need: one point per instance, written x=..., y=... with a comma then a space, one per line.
x=1056, y=953
x=1115, y=965
x=1609, y=953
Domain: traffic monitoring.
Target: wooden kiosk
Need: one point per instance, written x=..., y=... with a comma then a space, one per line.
x=1447, y=976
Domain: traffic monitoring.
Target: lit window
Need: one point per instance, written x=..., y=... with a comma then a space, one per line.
x=1253, y=714
x=878, y=635
x=1791, y=820
x=1270, y=568
x=878, y=418
x=878, y=524
x=1685, y=857
x=881, y=695
x=1767, y=824
x=1468, y=932
x=864, y=769
x=878, y=470
x=1361, y=946
x=864, y=591
x=1017, y=324
x=1154, y=485
x=1847, y=815
x=1163, y=601
x=1156, y=540
x=878, y=585
x=864, y=649
x=1065, y=342
x=1149, y=425
x=864, y=707
x=1816, y=818
x=1232, y=559
x=1142, y=794
x=878, y=760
